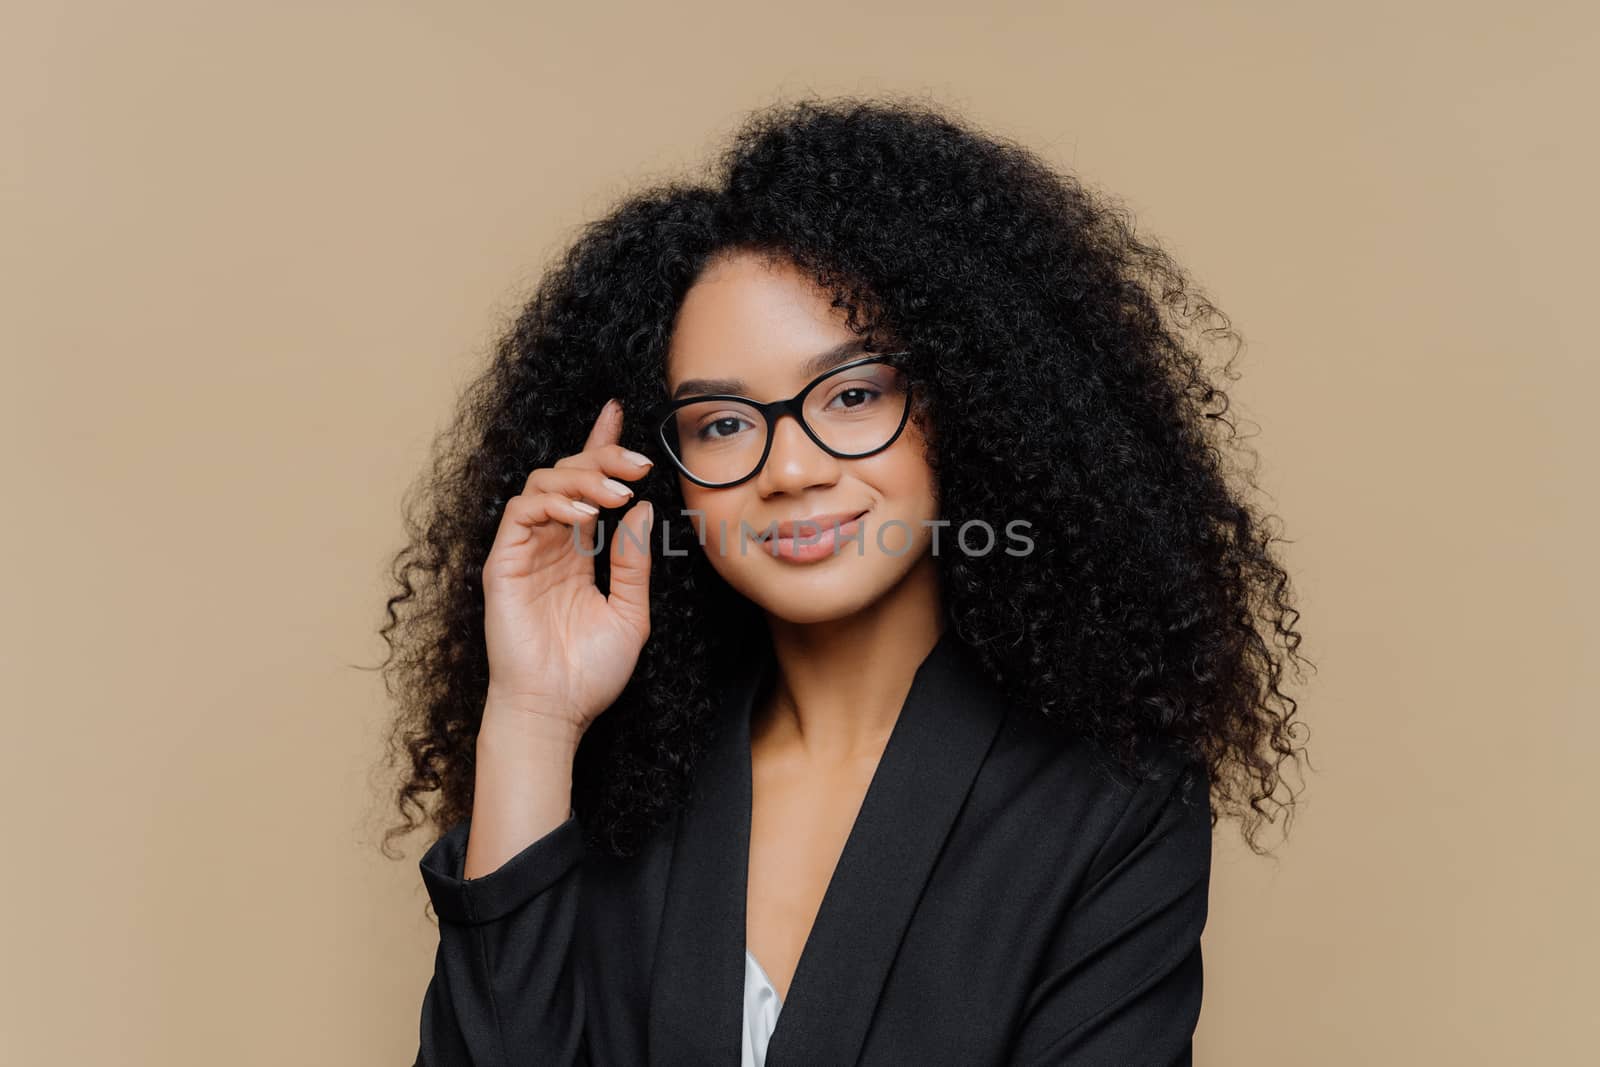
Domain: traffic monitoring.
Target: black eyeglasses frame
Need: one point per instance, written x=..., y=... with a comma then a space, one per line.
x=772, y=412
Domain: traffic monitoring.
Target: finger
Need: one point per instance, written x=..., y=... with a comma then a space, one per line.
x=531, y=515
x=607, y=428
x=613, y=459
x=581, y=482
x=630, y=567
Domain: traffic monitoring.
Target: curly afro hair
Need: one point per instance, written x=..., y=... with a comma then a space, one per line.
x=1062, y=361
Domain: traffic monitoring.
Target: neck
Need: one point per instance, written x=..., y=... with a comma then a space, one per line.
x=840, y=685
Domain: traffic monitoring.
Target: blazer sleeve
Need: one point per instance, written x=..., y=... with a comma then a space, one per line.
x=1122, y=981
x=505, y=989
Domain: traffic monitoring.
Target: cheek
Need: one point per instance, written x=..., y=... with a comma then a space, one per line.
x=906, y=479
x=709, y=511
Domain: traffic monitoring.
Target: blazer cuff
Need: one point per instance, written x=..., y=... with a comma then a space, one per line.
x=541, y=864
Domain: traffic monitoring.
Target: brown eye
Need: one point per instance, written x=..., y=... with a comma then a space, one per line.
x=856, y=396
x=719, y=429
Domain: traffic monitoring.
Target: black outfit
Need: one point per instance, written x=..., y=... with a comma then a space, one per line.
x=1004, y=897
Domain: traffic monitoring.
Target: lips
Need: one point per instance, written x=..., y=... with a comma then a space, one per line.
x=814, y=525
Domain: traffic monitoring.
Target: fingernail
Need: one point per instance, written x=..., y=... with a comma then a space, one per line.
x=643, y=461
x=611, y=405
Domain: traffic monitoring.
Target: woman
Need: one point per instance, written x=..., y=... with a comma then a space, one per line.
x=929, y=779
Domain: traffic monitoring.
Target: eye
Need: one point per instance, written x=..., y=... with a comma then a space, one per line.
x=722, y=427
x=856, y=396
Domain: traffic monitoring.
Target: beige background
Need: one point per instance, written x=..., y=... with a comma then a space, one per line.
x=251, y=250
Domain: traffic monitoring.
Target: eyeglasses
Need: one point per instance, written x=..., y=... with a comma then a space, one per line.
x=852, y=411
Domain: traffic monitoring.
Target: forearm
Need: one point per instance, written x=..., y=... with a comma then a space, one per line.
x=522, y=786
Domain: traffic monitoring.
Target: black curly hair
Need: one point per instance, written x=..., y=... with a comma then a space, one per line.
x=1061, y=360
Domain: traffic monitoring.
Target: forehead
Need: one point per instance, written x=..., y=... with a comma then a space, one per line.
x=751, y=325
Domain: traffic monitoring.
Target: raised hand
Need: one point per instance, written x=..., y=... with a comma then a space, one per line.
x=559, y=650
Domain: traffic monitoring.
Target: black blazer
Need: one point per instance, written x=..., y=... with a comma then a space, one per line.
x=1004, y=897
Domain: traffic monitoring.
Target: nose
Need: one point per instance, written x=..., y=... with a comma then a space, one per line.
x=794, y=461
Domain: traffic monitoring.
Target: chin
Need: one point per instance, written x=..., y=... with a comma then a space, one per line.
x=802, y=611
x=819, y=593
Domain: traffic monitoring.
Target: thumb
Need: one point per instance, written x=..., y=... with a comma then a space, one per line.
x=630, y=566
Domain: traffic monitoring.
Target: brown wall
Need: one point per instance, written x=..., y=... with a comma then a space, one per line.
x=250, y=251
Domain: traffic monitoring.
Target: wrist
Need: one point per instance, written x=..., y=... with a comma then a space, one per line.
x=513, y=730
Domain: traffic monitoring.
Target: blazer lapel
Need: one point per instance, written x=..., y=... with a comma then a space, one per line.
x=697, y=985
x=945, y=728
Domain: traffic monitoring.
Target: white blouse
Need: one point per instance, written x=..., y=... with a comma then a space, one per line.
x=761, y=1006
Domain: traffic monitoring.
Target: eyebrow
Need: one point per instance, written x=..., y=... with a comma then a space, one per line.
x=813, y=367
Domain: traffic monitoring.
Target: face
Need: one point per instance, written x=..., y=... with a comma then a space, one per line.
x=760, y=322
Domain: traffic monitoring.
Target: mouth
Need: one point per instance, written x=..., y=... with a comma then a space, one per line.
x=812, y=526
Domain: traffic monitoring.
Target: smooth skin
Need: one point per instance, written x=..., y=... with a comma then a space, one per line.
x=848, y=630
